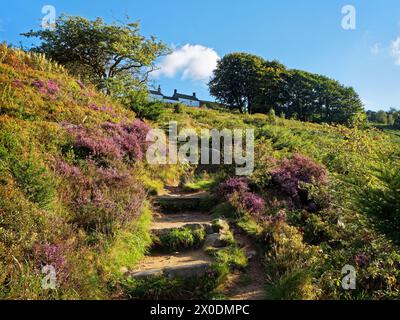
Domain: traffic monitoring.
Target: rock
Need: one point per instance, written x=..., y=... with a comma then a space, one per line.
x=147, y=274
x=214, y=240
x=124, y=270
x=251, y=254
x=206, y=226
x=220, y=225
x=188, y=271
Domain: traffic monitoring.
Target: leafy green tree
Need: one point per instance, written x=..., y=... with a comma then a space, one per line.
x=381, y=117
x=109, y=55
x=250, y=83
x=390, y=119
x=237, y=79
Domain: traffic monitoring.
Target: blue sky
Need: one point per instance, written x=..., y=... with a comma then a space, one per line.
x=301, y=34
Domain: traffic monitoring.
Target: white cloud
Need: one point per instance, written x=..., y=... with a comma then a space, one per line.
x=194, y=62
x=376, y=49
x=395, y=50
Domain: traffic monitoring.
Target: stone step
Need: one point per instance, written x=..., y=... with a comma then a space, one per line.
x=181, y=271
x=159, y=231
x=176, y=203
x=171, y=264
x=179, y=220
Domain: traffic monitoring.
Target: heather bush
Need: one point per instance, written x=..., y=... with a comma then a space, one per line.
x=111, y=141
x=233, y=185
x=292, y=174
x=54, y=255
x=50, y=88
x=252, y=203
x=102, y=199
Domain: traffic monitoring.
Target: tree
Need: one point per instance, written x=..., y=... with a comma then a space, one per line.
x=237, y=79
x=250, y=83
x=111, y=56
x=381, y=117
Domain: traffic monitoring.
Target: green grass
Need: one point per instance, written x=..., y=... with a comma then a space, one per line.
x=129, y=246
x=181, y=239
x=227, y=259
x=201, y=185
x=161, y=288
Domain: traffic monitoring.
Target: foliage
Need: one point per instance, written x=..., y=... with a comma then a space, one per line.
x=70, y=195
x=233, y=185
x=181, y=238
x=291, y=175
x=382, y=202
x=102, y=52
x=250, y=83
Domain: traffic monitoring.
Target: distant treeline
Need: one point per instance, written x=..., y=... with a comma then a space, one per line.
x=252, y=84
x=391, y=117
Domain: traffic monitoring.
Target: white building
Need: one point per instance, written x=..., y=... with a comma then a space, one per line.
x=188, y=100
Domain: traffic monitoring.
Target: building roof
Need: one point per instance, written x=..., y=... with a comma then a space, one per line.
x=171, y=98
x=185, y=96
x=176, y=96
x=156, y=92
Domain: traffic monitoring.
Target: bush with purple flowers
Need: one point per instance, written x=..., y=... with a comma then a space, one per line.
x=111, y=141
x=233, y=185
x=102, y=199
x=291, y=173
x=50, y=88
x=252, y=202
x=52, y=255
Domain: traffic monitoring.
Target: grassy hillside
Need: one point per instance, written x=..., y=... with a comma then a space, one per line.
x=74, y=183
x=70, y=196
x=331, y=198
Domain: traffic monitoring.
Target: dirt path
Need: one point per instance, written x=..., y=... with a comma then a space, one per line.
x=240, y=285
x=157, y=260
x=178, y=220
x=248, y=284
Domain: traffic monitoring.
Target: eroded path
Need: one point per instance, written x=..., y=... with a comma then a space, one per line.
x=189, y=261
x=180, y=210
x=248, y=284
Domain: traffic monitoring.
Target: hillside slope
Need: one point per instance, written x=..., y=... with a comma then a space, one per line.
x=70, y=196
x=74, y=186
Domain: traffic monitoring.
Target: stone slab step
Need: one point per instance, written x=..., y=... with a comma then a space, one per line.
x=194, y=270
x=179, y=220
x=193, y=226
x=176, y=203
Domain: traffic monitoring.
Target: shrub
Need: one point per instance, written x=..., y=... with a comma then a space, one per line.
x=111, y=141
x=294, y=172
x=102, y=199
x=34, y=181
x=382, y=201
x=53, y=255
x=233, y=185
x=50, y=88
x=253, y=203
x=151, y=110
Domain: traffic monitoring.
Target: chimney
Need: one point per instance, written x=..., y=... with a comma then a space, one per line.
x=159, y=89
x=175, y=92
x=194, y=94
